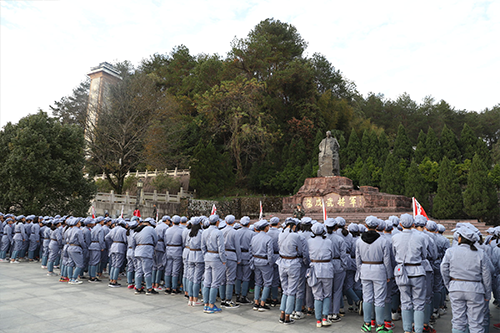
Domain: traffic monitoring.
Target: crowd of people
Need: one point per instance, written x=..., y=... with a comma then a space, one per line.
x=400, y=268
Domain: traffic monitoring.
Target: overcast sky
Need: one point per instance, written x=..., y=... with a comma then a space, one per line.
x=447, y=49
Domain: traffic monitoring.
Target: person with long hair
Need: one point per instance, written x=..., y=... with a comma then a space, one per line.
x=132, y=225
x=195, y=262
x=467, y=277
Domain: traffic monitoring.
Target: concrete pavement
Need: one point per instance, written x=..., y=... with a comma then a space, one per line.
x=30, y=301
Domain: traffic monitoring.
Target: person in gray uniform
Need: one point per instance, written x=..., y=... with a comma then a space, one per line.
x=233, y=255
x=18, y=239
x=34, y=237
x=55, y=246
x=173, y=253
x=429, y=265
x=410, y=251
x=132, y=225
x=304, y=231
x=117, y=251
x=145, y=240
x=97, y=245
x=320, y=273
x=76, y=244
x=195, y=262
x=274, y=233
x=373, y=261
x=340, y=262
x=262, y=252
x=466, y=275
x=243, y=270
x=7, y=238
x=159, y=257
x=88, y=240
x=213, y=249
x=291, y=251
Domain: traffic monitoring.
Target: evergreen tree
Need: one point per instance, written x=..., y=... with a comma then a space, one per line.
x=467, y=143
x=448, y=202
x=365, y=177
x=299, y=154
x=402, y=146
x=342, y=151
x=416, y=186
x=432, y=146
x=480, y=199
x=317, y=141
x=392, y=181
x=353, y=148
x=365, y=145
x=374, y=147
x=383, y=144
x=449, y=145
x=307, y=172
x=421, y=150
x=484, y=153
x=211, y=171
x=353, y=171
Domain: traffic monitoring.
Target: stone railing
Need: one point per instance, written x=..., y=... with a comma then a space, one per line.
x=153, y=197
x=172, y=173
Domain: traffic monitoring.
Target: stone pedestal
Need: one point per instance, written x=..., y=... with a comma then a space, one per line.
x=339, y=196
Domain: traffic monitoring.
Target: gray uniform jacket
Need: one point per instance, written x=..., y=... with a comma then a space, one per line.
x=173, y=242
x=118, y=237
x=410, y=248
x=232, y=244
x=322, y=250
x=145, y=242
x=245, y=235
x=465, y=270
x=212, y=244
x=262, y=250
x=373, y=261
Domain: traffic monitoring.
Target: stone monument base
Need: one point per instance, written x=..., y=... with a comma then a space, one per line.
x=339, y=196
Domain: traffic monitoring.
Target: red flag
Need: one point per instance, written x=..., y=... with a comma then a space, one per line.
x=325, y=216
x=93, y=212
x=261, y=215
x=157, y=216
x=214, y=210
x=418, y=209
x=121, y=214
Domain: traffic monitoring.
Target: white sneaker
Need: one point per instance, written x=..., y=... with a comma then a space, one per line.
x=51, y=274
x=299, y=315
x=14, y=262
x=190, y=303
x=44, y=267
x=318, y=324
x=75, y=282
x=196, y=303
x=326, y=322
x=442, y=311
x=395, y=316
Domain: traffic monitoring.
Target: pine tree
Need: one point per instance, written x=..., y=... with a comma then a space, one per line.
x=392, y=181
x=365, y=177
x=402, y=146
x=307, y=172
x=383, y=145
x=421, y=150
x=416, y=186
x=467, y=143
x=353, y=148
x=374, y=146
x=480, y=199
x=342, y=151
x=432, y=146
x=448, y=202
x=365, y=145
x=484, y=153
x=449, y=145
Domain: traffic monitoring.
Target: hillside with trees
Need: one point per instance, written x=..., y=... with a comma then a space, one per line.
x=250, y=123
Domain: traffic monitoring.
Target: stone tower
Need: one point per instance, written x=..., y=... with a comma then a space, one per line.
x=101, y=78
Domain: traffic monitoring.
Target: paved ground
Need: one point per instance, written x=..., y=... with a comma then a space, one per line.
x=30, y=301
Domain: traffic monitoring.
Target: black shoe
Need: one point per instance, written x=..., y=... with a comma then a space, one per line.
x=263, y=308
x=151, y=292
x=243, y=300
x=237, y=299
x=223, y=303
x=289, y=322
x=168, y=291
x=139, y=291
x=256, y=307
